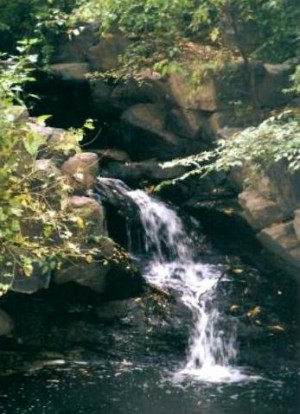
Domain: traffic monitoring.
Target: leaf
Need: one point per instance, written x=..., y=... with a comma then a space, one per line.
x=80, y=223
x=28, y=269
x=89, y=258
x=276, y=328
x=253, y=313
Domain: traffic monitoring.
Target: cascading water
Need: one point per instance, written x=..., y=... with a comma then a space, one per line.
x=172, y=265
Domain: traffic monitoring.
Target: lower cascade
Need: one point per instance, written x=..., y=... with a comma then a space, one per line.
x=172, y=264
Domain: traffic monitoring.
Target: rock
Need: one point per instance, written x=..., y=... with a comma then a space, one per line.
x=219, y=89
x=6, y=324
x=186, y=123
x=109, y=155
x=101, y=102
x=259, y=211
x=110, y=99
x=104, y=56
x=71, y=71
x=75, y=49
x=56, y=148
x=184, y=95
x=145, y=135
x=280, y=239
x=46, y=180
x=32, y=284
x=286, y=186
x=45, y=169
x=111, y=273
x=270, y=90
x=136, y=172
x=296, y=224
x=92, y=214
x=82, y=170
x=19, y=113
x=132, y=92
x=46, y=131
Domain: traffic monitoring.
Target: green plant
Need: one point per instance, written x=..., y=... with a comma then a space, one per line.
x=36, y=230
x=274, y=140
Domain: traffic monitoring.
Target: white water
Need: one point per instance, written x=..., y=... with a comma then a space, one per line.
x=172, y=266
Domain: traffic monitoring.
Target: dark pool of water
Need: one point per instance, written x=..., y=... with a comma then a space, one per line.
x=122, y=387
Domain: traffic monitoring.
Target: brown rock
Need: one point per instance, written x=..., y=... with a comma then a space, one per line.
x=259, y=211
x=92, y=214
x=105, y=55
x=145, y=135
x=82, y=170
x=280, y=239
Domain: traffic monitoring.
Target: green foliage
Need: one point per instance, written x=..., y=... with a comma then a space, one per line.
x=35, y=227
x=39, y=19
x=161, y=29
x=274, y=140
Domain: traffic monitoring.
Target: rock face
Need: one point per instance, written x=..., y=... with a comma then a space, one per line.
x=271, y=206
x=81, y=171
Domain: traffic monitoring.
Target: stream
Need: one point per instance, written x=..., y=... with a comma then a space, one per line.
x=217, y=374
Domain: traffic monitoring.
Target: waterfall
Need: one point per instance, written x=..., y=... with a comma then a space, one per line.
x=172, y=264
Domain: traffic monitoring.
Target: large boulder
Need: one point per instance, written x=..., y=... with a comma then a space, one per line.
x=110, y=272
x=145, y=135
x=259, y=211
x=91, y=215
x=281, y=240
x=104, y=55
x=276, y=79
x=81, y=170
x=75, y=49
x=189, y=124
x=220, y=89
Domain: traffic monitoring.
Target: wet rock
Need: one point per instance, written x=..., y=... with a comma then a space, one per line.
x=109, y=272
x=137, y=172
x=82, y=170
x=6, y=324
